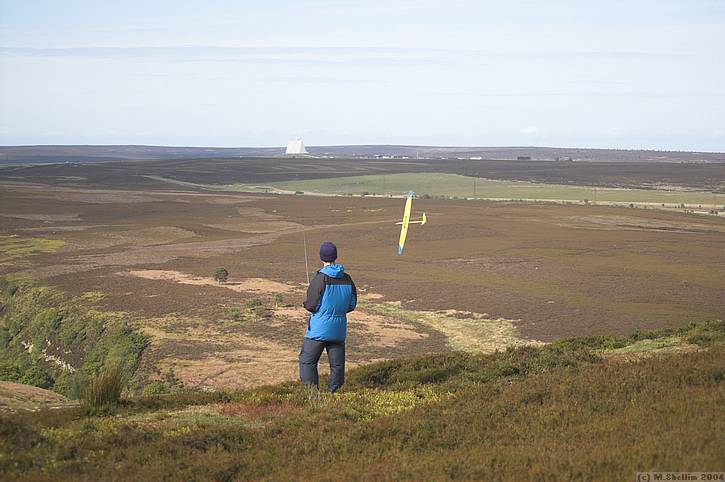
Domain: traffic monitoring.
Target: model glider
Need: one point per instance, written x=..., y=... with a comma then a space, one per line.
x=406, y=221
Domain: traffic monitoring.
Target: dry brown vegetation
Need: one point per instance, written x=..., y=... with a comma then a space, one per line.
x=460, y=363
x=479, y=276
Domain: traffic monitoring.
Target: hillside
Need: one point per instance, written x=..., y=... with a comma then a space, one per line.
x=53, y=341
x=598, y=408
x=17, y=396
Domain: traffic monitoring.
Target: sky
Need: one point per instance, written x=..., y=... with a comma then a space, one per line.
x=636, y=74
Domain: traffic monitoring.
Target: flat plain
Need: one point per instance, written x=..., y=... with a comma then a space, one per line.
x=480, y=276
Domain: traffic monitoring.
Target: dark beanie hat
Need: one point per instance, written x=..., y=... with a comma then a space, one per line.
x=328, y=252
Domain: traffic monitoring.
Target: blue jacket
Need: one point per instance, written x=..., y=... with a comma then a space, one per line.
x=330, y=296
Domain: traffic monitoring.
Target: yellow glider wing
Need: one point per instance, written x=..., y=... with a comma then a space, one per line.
x=406, y=220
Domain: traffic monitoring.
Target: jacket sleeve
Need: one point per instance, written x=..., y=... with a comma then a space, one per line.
x=314, y=293
x=353, y=298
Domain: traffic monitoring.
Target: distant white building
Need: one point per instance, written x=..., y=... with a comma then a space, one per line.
x=296, y=147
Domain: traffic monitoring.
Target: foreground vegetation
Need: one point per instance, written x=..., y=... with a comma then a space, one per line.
x=597, y=408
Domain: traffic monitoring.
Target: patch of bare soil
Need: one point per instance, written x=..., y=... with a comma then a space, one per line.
x=16, y=397
x=203, y=354
x=381, y=331
x=374, y=296
x=378, y=330
x=224, y=354
x=251, y=285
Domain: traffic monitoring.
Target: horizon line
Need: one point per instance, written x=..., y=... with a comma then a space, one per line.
x=429, y=146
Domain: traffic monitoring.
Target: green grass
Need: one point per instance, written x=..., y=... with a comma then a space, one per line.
x=14, y=248
x=557, y=412
x=454, y=185
x=644, y=346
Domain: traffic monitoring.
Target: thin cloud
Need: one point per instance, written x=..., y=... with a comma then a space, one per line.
x=639, y=94
x=319, y=54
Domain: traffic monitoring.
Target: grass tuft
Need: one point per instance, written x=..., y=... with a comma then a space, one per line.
x=104, y=390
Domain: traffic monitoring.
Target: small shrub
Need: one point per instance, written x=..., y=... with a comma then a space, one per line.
x=221, y=275
x=254, y=303
x=278, y=299
x=9, y=371
x=104, y=390
x=8, y=287
x=256, y=308
x=72, y=385
x=38, y=376
x=704, y=334
x=155, y=388
x=235, y=314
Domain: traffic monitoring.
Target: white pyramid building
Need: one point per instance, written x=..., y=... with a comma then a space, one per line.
x=296, y=147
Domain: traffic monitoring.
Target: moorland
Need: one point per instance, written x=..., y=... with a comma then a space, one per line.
x=507, y=308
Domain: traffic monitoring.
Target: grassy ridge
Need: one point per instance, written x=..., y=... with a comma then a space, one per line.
x=437, y=184
x=51, y=341
x=571, y=410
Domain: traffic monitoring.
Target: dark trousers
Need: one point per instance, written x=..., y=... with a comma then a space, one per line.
x=310, y=355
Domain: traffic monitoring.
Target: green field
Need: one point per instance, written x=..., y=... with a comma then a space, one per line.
x=454, y=185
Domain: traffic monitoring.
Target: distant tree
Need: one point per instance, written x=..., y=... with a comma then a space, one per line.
x=278, y=299
x=221, y=275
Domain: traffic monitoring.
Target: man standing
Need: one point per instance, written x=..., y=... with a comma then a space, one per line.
x=330, y=296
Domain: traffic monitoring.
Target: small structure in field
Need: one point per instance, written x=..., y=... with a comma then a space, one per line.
x=295, y=147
